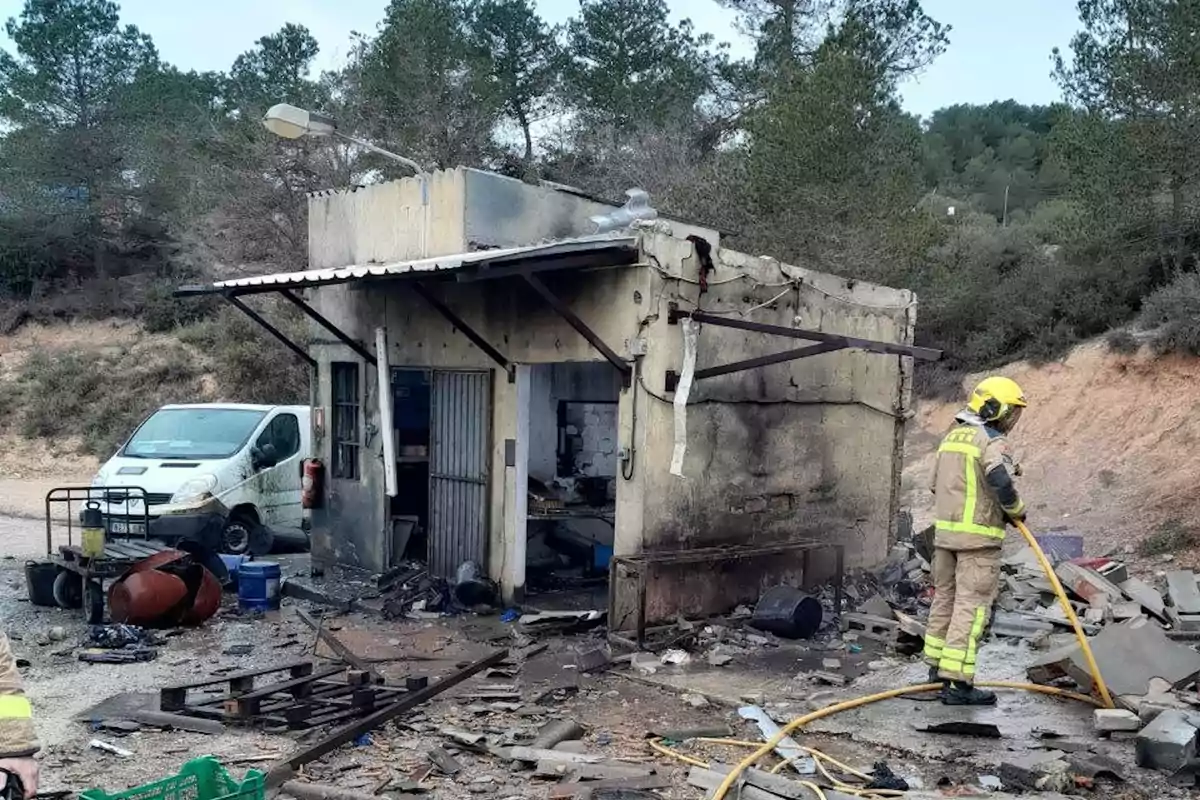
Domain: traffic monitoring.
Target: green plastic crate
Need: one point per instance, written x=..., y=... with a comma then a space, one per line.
x=199, y=779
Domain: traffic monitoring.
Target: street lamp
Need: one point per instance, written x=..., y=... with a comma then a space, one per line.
x=291, y=122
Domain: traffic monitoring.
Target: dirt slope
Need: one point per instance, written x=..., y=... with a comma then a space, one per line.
x=1110, y=446
x=31, y=467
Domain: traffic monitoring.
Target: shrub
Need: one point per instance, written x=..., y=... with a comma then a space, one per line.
x=1170, y=537
x=1123, y=342
x=1174, y=312
x=250, y=365
x=100, y=397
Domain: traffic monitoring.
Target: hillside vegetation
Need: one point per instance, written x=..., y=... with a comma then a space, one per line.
x=1023, y=229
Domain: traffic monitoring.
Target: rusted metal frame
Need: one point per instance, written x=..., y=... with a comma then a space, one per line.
x=284, y=769
x=341, y=336
x=172, y=698
x=271, y=329
x=578, y=324
x=870, y=345
x=672, y=377
x=457, y=321
x=248, y=704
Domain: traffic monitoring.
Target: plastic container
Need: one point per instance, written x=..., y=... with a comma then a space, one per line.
x=39, y=581
x=258, y=586
x=788, y=612
x=232, y=564
x=199, y=779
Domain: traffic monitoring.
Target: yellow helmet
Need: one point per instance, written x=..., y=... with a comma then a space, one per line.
x=996, y=398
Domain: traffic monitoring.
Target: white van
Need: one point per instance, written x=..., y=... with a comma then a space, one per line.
x=225, y=476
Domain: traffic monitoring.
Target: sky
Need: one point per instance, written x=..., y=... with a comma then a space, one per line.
x=997, y=51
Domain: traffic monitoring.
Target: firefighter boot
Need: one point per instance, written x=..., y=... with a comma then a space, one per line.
x=934, y=677
x=958, y=693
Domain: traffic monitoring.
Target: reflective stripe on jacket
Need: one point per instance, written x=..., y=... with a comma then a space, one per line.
x=967, y=513
x=17, y=737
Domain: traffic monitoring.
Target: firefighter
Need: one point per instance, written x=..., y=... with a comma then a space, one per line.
x=18, y=742
x=975, y=497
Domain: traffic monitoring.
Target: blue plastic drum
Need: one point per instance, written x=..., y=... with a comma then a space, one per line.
x=258, y=586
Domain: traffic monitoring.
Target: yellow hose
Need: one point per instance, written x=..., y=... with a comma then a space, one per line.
x=1093, y=668
x=847, y=705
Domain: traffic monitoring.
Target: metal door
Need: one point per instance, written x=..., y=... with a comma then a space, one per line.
x=459, y=449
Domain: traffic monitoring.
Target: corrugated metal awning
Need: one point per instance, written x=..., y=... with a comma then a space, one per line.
x=426, y=267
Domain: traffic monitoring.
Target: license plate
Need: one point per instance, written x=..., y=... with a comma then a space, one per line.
x=131, y=528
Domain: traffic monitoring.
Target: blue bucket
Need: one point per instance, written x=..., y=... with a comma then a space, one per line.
x=258, y=586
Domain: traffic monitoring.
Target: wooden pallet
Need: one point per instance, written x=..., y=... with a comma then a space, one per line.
x=307, y=697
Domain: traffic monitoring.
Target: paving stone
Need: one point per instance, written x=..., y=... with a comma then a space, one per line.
x=1143, y=593
x=1168, y=743
x=1183, y=591
x=1107, y=720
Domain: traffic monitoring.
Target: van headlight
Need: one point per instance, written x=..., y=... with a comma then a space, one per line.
x=195, y=489
x=99, y=479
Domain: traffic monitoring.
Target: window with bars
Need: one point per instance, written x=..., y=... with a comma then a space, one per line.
x=346, y=410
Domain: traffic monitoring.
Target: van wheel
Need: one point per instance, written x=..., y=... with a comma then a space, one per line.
x=261, y=540
x=235, y=539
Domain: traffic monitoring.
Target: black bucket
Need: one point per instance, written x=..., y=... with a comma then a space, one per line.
x=39, y=581
x=787, y=612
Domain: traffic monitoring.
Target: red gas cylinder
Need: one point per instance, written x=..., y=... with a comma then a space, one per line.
x=312, y=483
x=143, y=598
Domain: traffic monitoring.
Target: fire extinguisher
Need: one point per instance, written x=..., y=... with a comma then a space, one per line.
x=313, y=483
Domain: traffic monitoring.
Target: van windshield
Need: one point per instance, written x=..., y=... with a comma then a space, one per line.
x=202, y=433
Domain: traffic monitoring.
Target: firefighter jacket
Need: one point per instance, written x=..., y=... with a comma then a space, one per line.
x=17, y=737
x=974, y=490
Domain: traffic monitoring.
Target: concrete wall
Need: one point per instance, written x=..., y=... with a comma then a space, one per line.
x=805, y=449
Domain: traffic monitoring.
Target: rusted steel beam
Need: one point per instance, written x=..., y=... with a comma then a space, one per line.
x=455, y=320
x=754, y=363
x=578, y=324
x=338, y=333
x=271, y=329
x=870, y=345
x=286, y=768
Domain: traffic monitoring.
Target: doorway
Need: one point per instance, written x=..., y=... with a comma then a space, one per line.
x=573, y=462
x=441, y=422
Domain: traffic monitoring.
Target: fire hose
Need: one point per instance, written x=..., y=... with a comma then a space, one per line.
x=767, y=747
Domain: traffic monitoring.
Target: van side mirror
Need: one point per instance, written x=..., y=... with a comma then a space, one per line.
x=265, y=457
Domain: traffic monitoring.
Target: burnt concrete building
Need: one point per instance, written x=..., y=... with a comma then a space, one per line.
x=490, y=377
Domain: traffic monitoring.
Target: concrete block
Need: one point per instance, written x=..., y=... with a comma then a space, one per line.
x=1087, y=583
x=1183, y=591
x=1018, y=626
x=1107, y=720
x=1149, y=708
x=1168, y=743
x=1147, y=596
x=1130, y=655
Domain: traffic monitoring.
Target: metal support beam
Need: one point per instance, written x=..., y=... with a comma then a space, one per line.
x=271, y=329
x=312, y=314
x=923, y=353
x=575, y=322
x=672, y=378
x=598, y=260
x=455, y=320
x=286, y=768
